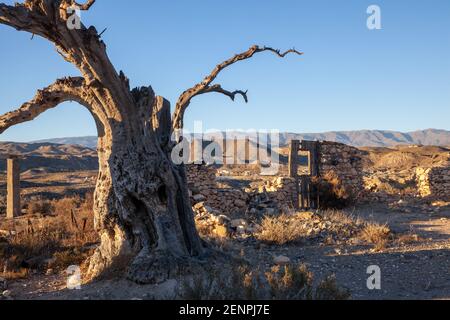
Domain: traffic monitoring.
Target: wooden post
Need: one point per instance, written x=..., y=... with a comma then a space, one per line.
x=235, y=151
x=224, y=151
x=13, y=189
x=196, y=151
x=293, y=158
x=247, y=157
x=192, y=151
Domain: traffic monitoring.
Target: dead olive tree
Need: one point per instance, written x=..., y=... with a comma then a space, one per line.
x=142, y=207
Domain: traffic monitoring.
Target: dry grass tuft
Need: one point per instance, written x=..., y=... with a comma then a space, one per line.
x=39, y=206
x=376, y=234
x=22, y=273
x=280, y=230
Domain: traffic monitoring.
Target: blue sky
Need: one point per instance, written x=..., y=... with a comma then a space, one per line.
x=350, y=78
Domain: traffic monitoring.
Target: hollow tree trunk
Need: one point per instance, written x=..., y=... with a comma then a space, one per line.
x=142, y=205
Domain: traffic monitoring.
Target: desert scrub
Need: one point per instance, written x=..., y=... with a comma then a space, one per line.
x=337, y=226
x=376, y=234
x=57, y=240
x=28, y=250
x=39, y=206
x=296, y=283
x=288, y=283
x=280, y=230
x=68, y=257
x=228, y=283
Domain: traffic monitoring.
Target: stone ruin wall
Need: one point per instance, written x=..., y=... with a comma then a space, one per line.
x=276, y=193
x=339, y=162
x=204, y=188
x=434, y=182
x=344, y=163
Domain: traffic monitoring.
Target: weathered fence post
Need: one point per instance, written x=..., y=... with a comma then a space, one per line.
x=293, y=158
x=13, y=188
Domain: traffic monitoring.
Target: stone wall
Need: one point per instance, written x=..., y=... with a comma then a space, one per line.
x=205, y=188
x=272, y=194
x=281, y=190
x=434, y=182
x=344, y=163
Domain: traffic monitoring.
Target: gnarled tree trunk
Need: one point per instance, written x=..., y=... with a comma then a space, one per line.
x=142, y=203
x=142, y=207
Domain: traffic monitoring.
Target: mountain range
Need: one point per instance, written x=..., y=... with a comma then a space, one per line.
x=362, y=138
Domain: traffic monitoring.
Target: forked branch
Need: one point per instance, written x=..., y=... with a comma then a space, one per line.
x=232, y=95
x=206, y=87
x=67, y=89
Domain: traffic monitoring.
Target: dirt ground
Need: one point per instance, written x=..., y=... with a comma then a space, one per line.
x=420, y=270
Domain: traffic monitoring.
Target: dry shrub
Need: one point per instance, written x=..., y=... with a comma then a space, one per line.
x=342, y=218
x=203, y=229
x=376, y=234
x=410, y=238
x=329, y=290
x=39, y=206
x=280, y=230
x=290, y=283
x=332, y=194
x=287, y=283
x=28, y=251
x=65, y=206
x=335, y=226
x=227, y=283
x=66, y=258
x=295, y=283
x=75, y=216
x=56, y=241
x=20, y=274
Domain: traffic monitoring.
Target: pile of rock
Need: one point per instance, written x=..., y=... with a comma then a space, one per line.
x=5, y=294
x=211, y=222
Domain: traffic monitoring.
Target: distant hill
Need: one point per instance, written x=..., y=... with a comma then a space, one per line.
x=49, y=157
x=377, y=138
x=88, y=141
x=363, y=138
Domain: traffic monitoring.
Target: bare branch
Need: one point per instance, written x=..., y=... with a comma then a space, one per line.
x=85, y=6
x=232, y=95
x=19, y=17
x=80, y=46
x=206, y=87
x=67, y=89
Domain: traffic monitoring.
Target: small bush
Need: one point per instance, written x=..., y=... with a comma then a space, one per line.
x=329, y=290
x=376, y=234
x=66, y=258
x=290, y=283
x=39, y=207
x=280, y=230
